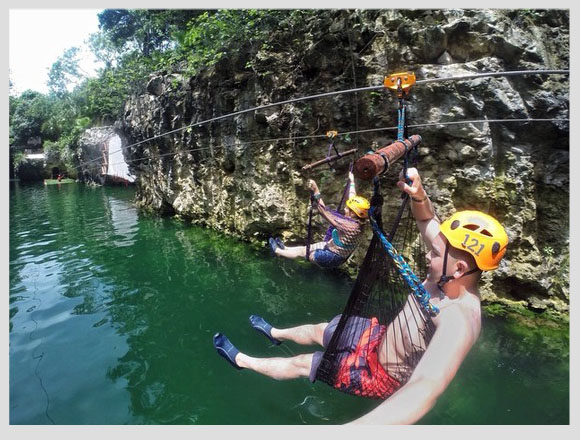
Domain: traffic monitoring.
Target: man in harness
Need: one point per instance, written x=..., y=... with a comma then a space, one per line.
x=459, y=249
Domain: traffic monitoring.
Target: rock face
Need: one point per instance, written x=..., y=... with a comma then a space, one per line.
x=241, y=175
x=101, y=156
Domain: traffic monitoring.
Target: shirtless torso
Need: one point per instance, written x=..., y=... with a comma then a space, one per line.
x=405, y=337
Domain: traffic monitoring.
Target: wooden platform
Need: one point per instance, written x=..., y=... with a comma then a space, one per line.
x=56, y=182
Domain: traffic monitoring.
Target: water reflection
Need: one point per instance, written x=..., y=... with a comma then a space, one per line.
x=123, y=217
x=54, y=285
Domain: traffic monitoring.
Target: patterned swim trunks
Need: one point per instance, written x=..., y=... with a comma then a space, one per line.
x=360, y=371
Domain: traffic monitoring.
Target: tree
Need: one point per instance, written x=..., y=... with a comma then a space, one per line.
x=142, y=29
x=104, y=50
x=28, y=113
x=65, y=72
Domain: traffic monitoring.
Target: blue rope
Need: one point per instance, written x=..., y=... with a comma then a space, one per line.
x=401, y=123
x=404, y=269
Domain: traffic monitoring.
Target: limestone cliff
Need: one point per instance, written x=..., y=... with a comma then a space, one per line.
x=241, y=175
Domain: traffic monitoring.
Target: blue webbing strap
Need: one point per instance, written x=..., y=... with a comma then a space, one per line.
x=406, y=272
x=331, y=146
x=404, y=269
x=401, y=120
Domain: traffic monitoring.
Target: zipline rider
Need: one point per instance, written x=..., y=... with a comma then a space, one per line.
x=346, y=235
x=460, y=248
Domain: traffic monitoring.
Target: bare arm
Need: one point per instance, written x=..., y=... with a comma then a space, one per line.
x=351, y=186
x=338, y=223
x=451, y=342
x=334, y=221
x=421, y=207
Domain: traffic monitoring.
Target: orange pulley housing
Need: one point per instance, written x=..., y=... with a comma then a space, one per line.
x=400, y=82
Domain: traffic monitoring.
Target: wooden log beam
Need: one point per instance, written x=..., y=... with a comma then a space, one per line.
x=372, y=164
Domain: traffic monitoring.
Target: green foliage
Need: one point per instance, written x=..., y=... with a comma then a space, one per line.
x=495, y=310
x=65, y=72
x=203, y=43
x=141, y=29
x=104, y=97
x=52, y=151
x=82, y=124
x=19, y=159
x=104, y=50
x=213, y=34
x=549, y=252
x=117, y=25
x=27, y=114
x=12, y=105
x=71, y=137
x=61, y=153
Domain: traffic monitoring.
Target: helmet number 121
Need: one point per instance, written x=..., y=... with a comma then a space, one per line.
x=473, y=245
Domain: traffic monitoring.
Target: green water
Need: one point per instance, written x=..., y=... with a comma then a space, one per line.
x=112, y=314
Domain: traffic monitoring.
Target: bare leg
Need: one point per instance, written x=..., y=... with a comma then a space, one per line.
x=278, y=368
x=292, y=252
x=307, y=334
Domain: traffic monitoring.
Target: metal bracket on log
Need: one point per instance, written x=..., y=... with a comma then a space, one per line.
x=329, y=159
x=373, y=164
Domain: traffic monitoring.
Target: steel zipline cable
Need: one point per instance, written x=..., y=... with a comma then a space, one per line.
x=494, y=74
x=320, y=136
x=338, y=92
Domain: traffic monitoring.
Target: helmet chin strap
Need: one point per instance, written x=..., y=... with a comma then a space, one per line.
x=446, y=278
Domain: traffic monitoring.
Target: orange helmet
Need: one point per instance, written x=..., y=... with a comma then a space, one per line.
x=479, y=234
x=359, y=205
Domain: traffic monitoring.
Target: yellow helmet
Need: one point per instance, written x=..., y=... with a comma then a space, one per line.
x=479, y=234
x=359, y=205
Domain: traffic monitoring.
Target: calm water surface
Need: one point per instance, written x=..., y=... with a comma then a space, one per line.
x=112, y=314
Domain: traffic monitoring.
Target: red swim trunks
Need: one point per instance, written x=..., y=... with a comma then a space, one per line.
x=360, y=371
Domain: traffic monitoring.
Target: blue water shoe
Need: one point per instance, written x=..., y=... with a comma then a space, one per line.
x=226, y=349
x=263, y=327
x=273, y=246
x=280, y=243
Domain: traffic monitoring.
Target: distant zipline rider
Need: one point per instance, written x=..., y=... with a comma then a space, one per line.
x=344, y=236
x=346, y=222
x=346, y=230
